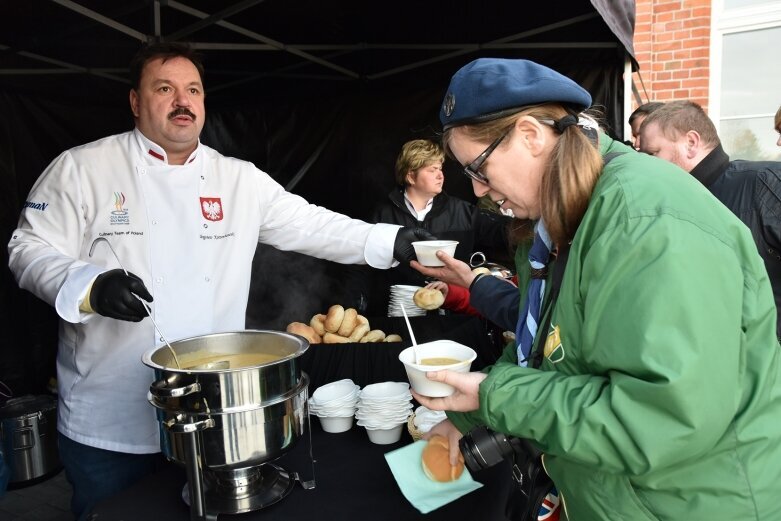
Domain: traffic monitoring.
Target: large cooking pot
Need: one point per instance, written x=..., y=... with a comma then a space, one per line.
x=28, y=432
x=246, y=415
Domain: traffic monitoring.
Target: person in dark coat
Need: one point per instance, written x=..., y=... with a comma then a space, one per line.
x=682, y=133
x=419, y=201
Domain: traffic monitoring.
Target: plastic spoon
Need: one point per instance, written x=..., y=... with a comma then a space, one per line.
x=411, y=335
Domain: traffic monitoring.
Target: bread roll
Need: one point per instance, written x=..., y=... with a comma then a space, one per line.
x=349, y=322
x=375, y=335
x=393, y=338
x=436, y=460
x=318, y=324
x=333, y=338
x=308, y=332
x=359, y=332
x=427, y=298
x=334, y=318
x=481, y=269
x=362, y=319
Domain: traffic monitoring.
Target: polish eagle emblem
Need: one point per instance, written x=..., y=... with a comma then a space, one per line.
x=211, y=207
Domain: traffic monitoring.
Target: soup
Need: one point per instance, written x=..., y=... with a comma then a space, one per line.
x=439, y=360
x=209, y=360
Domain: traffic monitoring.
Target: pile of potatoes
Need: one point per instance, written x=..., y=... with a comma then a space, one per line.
x=340, y=326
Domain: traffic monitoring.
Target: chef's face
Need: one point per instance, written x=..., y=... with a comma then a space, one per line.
x=169, y=106
x=514, y=168
x=427, y=180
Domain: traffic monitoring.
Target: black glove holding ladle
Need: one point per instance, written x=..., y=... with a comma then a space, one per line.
x=122, y=295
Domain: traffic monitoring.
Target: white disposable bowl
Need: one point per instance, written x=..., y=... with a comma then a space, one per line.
x=438, y=348
x=426, y=251
x=335, y=392
x=385, y=436
x=336, y=423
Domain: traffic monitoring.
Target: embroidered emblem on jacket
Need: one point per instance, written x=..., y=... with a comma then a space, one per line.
x=120, y=215
x=211, y=207
x=553, y=349
x=36, y=206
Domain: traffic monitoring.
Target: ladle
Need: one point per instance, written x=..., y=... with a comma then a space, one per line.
x=411, y=335
x=143, y=302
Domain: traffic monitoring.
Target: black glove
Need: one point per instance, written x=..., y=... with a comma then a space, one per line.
x=402, y=246
x=112, y=296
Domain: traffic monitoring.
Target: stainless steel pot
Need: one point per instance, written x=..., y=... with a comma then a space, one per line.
x=28, y=431
x=245, y=416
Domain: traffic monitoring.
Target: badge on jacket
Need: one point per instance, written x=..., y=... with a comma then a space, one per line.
x=211, y=207
x=553, y=349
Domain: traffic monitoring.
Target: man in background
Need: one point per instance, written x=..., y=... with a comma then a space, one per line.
x=637, y=117
x=681, y=132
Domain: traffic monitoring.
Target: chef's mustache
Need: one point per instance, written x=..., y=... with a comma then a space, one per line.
x=181, y=111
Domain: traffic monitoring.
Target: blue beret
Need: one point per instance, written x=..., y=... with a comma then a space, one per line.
x=489, y=88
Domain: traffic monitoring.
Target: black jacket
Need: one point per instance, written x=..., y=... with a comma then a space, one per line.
x=450, y=218
x=752, y=190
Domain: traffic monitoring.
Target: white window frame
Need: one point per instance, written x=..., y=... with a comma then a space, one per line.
x=730, y=21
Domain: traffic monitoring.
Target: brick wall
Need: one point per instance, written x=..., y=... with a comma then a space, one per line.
x=672, y=46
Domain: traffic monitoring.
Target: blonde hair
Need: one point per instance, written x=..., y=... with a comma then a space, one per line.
x=573, y=169
x=415, y=155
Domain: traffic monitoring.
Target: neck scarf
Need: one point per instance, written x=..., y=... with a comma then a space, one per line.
x=528, y=320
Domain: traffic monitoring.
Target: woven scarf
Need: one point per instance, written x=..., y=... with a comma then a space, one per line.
x=529, y=317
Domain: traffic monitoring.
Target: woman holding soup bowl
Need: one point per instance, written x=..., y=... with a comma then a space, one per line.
x=653, y=386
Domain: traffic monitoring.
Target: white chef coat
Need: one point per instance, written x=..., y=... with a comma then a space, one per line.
x=189, y=232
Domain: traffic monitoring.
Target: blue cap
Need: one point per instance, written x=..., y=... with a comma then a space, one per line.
x=489, y=88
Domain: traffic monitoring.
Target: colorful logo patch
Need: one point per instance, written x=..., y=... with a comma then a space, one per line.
x=119, y=215
x=211, y=207
x=553, y=350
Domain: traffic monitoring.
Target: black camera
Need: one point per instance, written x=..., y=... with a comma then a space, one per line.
x=483, y=448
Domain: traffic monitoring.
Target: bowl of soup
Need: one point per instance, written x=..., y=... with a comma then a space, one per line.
x=435, y=356
x=426, y=251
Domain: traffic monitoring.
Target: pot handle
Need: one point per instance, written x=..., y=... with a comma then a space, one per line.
x=177, y=426
x=159, y=390
x=477, y=259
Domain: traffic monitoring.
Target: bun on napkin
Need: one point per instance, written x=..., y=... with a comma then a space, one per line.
x=428, y=298
x=436, y=460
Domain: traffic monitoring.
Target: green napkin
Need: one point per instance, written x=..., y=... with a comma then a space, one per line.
x=424, y=493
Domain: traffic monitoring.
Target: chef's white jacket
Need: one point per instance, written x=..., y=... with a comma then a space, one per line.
x=189, y=231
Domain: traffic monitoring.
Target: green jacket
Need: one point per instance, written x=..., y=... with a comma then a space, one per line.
x=659, y=397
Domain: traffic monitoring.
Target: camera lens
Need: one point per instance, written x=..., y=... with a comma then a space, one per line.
x=483, y=448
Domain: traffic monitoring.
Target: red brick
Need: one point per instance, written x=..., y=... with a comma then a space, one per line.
x=680, y=75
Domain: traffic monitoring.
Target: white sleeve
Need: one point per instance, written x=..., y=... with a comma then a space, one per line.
x=44, y=250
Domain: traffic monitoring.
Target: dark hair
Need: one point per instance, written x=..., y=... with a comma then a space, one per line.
x=644, y=110
x=166, y=51
x=679, y=117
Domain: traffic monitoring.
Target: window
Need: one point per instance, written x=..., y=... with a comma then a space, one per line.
x=746, y=77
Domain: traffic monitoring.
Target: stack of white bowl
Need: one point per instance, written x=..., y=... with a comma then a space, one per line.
x=335, y=404
x=401, y=296
x=383, y=409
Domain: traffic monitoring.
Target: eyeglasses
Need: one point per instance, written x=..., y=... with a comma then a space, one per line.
x=472, y=170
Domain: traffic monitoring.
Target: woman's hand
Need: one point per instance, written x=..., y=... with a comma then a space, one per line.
x=464, y=399
x=439, y=286
x=453, y=272
x=448, y=430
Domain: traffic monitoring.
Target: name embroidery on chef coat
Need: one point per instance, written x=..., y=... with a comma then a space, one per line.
x=211, y=207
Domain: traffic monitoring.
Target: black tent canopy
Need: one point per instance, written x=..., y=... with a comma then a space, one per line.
x=321, y=95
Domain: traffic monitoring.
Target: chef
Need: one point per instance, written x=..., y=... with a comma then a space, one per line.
x=183, y=221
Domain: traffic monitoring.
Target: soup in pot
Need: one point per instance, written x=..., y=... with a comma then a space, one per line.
x=210, y=360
